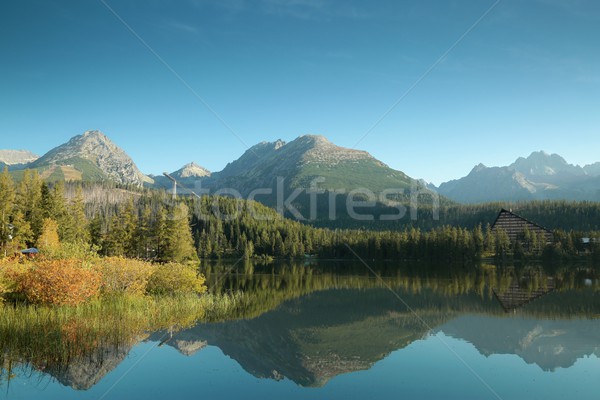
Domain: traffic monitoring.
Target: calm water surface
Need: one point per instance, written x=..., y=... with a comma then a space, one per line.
x=326, y=336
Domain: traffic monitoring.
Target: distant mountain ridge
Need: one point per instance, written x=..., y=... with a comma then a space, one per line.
x=540, y=176
x=92, y=156
x=312, y=159
x=592, y=169
x=16, y=157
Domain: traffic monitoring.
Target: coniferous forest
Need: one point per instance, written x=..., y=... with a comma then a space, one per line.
x=150, y=224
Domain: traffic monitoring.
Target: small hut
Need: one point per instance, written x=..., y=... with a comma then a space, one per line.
x=515, y=226
x=31, y=252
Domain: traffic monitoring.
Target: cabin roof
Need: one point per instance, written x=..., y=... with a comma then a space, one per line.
x=514, y=224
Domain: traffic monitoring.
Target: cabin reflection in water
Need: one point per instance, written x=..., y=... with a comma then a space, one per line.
x=519, y=294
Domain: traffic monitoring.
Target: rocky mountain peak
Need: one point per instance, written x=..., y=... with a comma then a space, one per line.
x=278, y=144
x=544, y=164
x=478, y=168
x=94, y=135
x=98, y=149
x=318, y=149
x=191, y=170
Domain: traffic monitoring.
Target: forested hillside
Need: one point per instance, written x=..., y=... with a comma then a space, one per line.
x=150, y=224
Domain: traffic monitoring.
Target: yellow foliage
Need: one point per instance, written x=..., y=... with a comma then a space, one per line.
x=72, y=281
x=123, y=275
x=174, y=278
x=48, y=239
x=11, y=272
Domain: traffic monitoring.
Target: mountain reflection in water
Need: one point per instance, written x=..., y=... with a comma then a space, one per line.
x=309, y=325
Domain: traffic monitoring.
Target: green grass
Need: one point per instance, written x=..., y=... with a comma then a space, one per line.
x=52, y=337
x=73, y=166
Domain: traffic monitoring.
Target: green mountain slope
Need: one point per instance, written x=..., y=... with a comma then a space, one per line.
x=284, y=175
x=304, y=159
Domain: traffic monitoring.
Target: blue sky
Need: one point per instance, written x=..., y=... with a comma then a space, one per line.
x=525, y=78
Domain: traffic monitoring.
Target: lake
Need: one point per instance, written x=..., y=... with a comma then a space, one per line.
x=332, y=330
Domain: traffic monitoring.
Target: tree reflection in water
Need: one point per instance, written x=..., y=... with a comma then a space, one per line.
x=306, y=322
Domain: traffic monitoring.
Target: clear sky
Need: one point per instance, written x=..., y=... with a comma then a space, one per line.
x=526, y=77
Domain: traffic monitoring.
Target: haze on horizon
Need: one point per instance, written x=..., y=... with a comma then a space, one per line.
x=204, y=79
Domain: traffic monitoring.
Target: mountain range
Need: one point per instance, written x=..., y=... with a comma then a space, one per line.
x=16, y=158
x=311, y=160
x=541, y=176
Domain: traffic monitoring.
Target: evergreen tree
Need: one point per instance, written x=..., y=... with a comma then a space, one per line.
x=489, y=240
x=160, y=232
x=95, y=232
x=7, y=199
x=29, y=201
x=113, y=243
x=22, y=234
x=54, y=207
x=129, y=221
x=180, y=242
x=502, y=244
x=79, y=232
x=144, y=233
x=478, y=241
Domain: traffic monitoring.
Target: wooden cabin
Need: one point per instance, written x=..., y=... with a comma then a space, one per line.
x=515, y=226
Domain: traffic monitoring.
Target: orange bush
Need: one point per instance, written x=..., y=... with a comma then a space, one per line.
x=59, y=282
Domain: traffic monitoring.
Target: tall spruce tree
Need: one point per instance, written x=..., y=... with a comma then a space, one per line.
x=180, y=242
x=29, y=201
x=79, y=232
x=7, y=203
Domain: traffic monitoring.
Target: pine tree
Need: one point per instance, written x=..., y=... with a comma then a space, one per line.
x=22, y=234
x=7, y=202
x=54, y=207
x=160, y=233
x=29, y=201
x=478, y=241
x=95, y=232
x=129, y=222
x=79, y=231
x=490, y=240
x=144, y=233
x=502, y=243
x=180, y=242
x=114, y=240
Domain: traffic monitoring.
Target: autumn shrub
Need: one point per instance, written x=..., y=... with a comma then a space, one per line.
x=66, y=250
x=58, y=282
x=122, y=275
x=4, y=286
x=3, y=280
x=174, y=278
x=11, y=272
